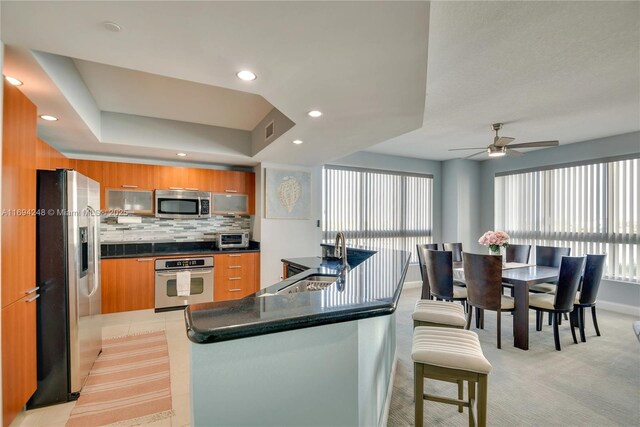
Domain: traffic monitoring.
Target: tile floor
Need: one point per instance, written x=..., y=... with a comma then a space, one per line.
x=119, y=324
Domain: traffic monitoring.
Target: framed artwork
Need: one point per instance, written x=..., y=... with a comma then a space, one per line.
x=287, y=194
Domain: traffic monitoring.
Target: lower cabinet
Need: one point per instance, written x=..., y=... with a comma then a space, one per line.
x=19, y=358
x=236, y=275
x=127, y=284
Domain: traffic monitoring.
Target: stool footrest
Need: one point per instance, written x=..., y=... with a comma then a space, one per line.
x=442, y=399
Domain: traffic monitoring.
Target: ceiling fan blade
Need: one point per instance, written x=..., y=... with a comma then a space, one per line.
x=472, y=148
x=536, y=144
x=473, y=155
x=502, y=141
x=514, y=153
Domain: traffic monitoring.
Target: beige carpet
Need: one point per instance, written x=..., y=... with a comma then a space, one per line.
x=128, y=385
x=596, y=383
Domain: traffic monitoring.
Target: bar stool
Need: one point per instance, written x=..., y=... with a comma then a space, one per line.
x=448, y=354
x=438, y=313
x=444, y=314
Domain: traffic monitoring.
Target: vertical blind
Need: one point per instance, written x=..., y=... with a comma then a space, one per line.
x=592, y=208
x=378, y=209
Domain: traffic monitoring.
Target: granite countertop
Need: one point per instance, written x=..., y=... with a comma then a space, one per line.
x=154, y=249
x=371, y=288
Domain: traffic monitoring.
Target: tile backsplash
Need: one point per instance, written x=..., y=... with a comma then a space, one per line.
x=176, y=230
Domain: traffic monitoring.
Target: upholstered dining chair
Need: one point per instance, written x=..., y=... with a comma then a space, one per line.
x=422, y=249
x=440, y=274
x=548, y=256
x=563, y=299
x=455, y=248
x=586, y=297
x=483, y=274
x=518, y=253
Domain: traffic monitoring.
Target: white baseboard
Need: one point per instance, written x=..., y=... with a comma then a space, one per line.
x=619, y=308
x=409, y=285
x=387, y=404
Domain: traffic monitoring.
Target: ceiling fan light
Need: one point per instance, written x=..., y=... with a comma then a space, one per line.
x=496, y=151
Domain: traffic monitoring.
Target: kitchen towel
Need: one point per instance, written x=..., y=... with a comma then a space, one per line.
x=183, y=283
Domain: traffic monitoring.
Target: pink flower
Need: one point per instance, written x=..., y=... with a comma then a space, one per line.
x=494, y=238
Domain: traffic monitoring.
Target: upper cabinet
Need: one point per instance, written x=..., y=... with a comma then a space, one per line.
x=234, y=182
x=128, y=176
x=178, y=178
x=92, y=169
x=230, y=181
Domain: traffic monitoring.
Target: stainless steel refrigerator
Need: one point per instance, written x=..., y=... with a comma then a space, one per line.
x=69, y=329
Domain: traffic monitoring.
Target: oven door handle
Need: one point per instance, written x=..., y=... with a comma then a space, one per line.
x=193, y=273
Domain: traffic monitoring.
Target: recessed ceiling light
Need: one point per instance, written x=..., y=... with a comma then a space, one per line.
x=112, y=26
x=181, y=154
x=314, y=113
x=297, y=141
x=246, y=75
x=13, y=81
x=48, y=118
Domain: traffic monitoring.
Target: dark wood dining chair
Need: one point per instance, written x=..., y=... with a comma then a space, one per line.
x=518, y=253
x=548, y=256
x=455, y=249
x=421, y=249
x=483, y=274
x=563, y=299
x=593, y=269
x=440, y=274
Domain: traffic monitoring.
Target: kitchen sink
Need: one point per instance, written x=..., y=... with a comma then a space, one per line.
x=314, y=282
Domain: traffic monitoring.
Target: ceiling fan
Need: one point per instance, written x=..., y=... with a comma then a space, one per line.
x=501, y=146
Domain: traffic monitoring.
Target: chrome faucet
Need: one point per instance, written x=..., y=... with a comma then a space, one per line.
x=340, y=252
x=340, y=249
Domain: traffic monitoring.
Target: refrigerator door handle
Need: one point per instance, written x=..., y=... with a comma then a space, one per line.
x=95, y=219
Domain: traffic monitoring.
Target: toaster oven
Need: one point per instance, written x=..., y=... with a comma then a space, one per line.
x=228, y=240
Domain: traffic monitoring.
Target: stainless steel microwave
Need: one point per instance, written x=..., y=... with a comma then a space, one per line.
x=183, y=204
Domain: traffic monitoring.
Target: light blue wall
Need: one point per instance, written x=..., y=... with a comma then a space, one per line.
x=616, y=295
x=460, y=202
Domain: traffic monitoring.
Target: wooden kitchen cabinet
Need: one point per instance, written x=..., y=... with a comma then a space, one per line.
x=229, y=181
x=20, y=148
x=18, y=195
x=236, y=275
x=128, y=176
x=178, y=178
x=127, y=284
x=91, y=169
x=235, y=182
x=19, y=356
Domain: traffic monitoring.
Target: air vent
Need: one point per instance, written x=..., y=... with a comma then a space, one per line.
x=268, y=131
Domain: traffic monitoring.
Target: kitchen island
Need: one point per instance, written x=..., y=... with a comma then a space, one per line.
x=282, y=357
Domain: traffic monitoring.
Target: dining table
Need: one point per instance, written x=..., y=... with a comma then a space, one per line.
x=521, y=277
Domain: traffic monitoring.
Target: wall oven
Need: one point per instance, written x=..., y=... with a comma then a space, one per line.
x=183, y=281
x=183, y=204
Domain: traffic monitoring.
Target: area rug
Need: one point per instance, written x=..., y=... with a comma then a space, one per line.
x=129, y=383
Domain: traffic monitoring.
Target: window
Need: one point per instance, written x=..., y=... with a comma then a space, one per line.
x=378, y=209
x=592, y=208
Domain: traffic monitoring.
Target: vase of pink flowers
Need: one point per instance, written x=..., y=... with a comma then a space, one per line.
x=496, y=241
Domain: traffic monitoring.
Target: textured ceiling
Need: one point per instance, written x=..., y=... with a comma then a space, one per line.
x=548, y=70
x=409, y=80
